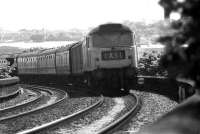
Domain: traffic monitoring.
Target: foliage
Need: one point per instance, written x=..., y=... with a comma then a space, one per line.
x=6, y=50
x=149, y=64
x=182, y=58
x=148, y=33
x=5, y=72
x=37, y=38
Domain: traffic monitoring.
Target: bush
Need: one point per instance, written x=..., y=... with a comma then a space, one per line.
x=5, y=72
x=149, y=65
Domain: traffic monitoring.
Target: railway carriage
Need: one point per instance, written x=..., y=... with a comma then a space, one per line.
x=27, y=63
x=46, y=62
x=62, y=61
x=76, y=59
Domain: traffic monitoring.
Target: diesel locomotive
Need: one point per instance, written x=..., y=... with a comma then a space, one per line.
x=105, y=59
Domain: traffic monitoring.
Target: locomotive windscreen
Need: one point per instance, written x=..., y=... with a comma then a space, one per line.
x=111, y=40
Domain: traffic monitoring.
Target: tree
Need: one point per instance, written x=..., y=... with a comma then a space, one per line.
x=37, y=37
x=149, y=65
x=182, y=58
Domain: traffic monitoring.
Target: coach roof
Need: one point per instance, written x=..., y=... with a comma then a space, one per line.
x=28, y=54
x=65, y=48
x=48, y=51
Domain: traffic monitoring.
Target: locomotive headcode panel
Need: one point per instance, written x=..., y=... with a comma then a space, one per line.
x=113, y=55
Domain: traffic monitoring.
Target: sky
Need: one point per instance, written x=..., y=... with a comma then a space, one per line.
x=70, y=14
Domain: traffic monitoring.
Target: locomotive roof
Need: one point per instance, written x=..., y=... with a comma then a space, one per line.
x=110, y=28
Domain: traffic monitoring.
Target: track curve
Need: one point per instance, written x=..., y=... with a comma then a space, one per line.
x=122, y=120
x=39, y=108
x=56, y=122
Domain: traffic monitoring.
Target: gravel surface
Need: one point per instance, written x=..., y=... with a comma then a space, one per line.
x=111, y=109
x=128, y=104
x=8, y=90
x=67, y=107
x=25, y=95
x=84, y=120
x=153, y=106
x=105, y=120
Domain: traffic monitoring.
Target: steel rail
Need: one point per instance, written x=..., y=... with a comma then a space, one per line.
x=35, y=110
x=20, y=105
x=122, y=120
x=63, y=119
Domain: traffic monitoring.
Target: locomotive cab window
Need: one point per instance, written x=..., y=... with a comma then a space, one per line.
x=114, y=39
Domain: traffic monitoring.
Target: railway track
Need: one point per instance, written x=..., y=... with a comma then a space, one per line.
x=117, y=124
x=25, y=108
x=73, y=90
x=63, y=119
x=108, y=128
x=6, y=110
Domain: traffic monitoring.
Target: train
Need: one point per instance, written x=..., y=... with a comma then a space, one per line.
x=105, y=59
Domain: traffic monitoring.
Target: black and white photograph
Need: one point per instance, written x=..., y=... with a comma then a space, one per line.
x=99, y=67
